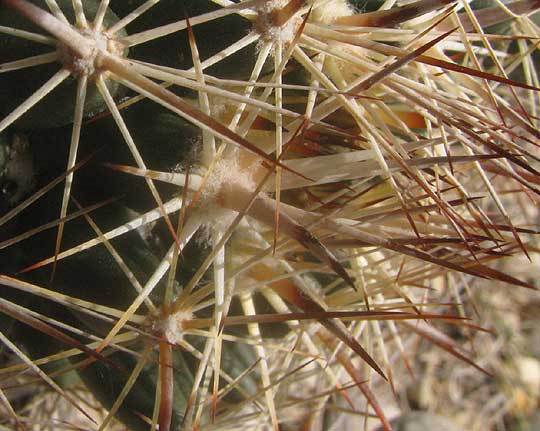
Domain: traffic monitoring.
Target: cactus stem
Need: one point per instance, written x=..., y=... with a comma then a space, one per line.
x=35, y=60
x=56, y=11
x=231, y=49
x=95, y=309
x=79, y=14
x=176, y=78
x=107, y=97
x=161, y=270
x=143, y=360
x=59, y=29
x=75, y=137
x=132, y=79
x=209, y=141
x=261, y=59
x=148, y=217
x=98, y=20
x=179, y=179
x=121, y=263
x=130, y=17
x=155, y=33
x=28, y=35
x=39, y=94
x=82, y=211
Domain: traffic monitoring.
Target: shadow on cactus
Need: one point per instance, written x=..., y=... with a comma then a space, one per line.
x=224, y=214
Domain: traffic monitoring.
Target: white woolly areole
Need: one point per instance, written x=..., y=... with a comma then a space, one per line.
x=268, y=30
x=327, y=11
x=89, y=65
x=227, y=173
x=227, y=176
x=171, y=327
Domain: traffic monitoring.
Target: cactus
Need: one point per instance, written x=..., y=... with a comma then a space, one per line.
x=219, y=214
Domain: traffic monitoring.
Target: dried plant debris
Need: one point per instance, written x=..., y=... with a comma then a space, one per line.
x=252, y=214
